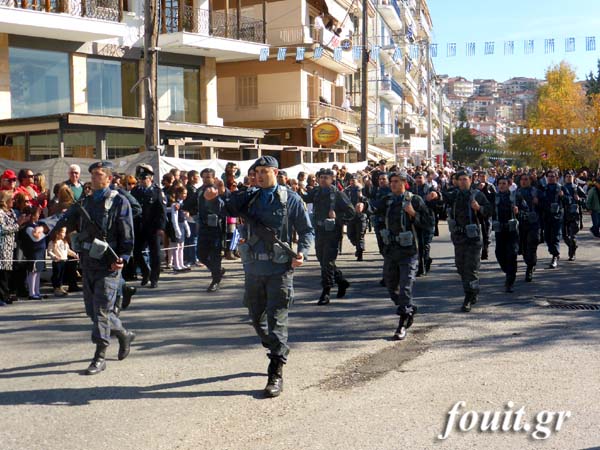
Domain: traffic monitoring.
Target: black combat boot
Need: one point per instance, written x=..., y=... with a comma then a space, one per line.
x=324, y=299
x=213, y=287
x=554, y=263
x=484, y=254
x=359, y=255
x=275, y=384
x=529, y=274
x=572, y=251
x=508, y=284
x=98, y=364
x=125, y=339
x=407, y=314
x=428, y=262
x=128, y=292
x=466, y=306
x=343, y=285
x=420, y=270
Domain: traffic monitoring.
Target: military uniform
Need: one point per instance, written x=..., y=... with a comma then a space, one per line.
x=378, y=222
x=506, y=231
x=573, y=217
x=357, y=227
x=467, y=247
x=210, y=221
x=425, y=235
x=486, y=222
x=400, y=251
x=269, y=279
x=148, y=227
x=328, y=235
x=529, y=227
x=111, y=223
x=552, y=204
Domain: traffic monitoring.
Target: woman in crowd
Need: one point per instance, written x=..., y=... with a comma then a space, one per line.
x=9, y=226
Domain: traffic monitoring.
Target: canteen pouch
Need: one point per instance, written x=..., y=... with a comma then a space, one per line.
x=76, y=242
x=496, y=226
x=386, y=236
x=532, y=217
x=554, y=208
x=513, y=225
x=329, y=224
x=280, y=256
x=451, y=225
x=472, y=231
x=97, y=249
x=245, y=252
x=405, y=239
x=212, y=220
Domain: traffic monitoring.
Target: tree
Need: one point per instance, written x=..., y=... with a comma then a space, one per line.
x=592, y=84
x=561, y=104
x=464, y=140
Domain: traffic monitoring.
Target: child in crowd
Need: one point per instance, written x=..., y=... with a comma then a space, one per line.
x=181, y=228
x=59, y=251
x=33, y=240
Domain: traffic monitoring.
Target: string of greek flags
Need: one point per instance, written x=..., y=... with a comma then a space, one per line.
x=508, y=48
x=529, y=131
x=497, y=152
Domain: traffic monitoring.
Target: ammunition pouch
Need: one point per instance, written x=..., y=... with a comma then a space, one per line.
x=554, y=208
x=472, y=231
x=212, y=220
x=97, y=249
x=405, y=239
x=329, y=224
x=532, y=217
x=280, y=255
x=513, y=225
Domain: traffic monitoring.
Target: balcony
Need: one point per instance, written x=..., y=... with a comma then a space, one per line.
x=384, y=134
x=181, y=24
x=390, y=90
x=318, y=110
x=391, y=12
x=75, y=20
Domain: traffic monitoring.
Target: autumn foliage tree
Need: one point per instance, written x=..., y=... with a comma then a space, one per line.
x=562, y=105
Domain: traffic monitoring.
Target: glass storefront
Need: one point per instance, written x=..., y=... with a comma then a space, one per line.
x=119, y=145
x=80, y=144
x=43, y=146
x=178, y=94
x=39, y=82
x=104, y=87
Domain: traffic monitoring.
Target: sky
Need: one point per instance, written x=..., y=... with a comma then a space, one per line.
x=481, y=21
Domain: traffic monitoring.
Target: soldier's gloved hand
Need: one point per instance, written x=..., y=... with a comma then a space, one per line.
x=210, y=193
x=298, y=261
x=476, y=207
x=331, y=214
x=410, y=210
x=117, y=265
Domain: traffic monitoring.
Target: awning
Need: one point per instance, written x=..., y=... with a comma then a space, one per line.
x=373, y=152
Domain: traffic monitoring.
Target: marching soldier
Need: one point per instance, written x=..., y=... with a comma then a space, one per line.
x=506, y=229
x=404, y=214
x=383, y=190
x=271, y=213
x=489, y=191
x=357, y=227
x=552, y=205
x=465, y=208
x=104, y=243
x=331, y=208
x=527, y=202
x=151, y=224
x=425, y=236
x=573, y=220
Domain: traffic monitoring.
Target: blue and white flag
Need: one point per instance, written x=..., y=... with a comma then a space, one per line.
x=375, y=53
x=590, y=44
x=549, y=45
x=509, y=48
x=318, y=53
x=264, y=54
x=414, y=51
x=356, y=53
x=470, y=48
x=397, y=56
x=337, y=53
x=433, y=49
x=570, y=44
x=300, y=53
x=281, y=54
x=528, y=47
x=489, y=48
x=235, y=239
x=451, y=50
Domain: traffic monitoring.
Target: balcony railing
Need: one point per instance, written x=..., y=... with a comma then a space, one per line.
x=111, y=10
x=217, y=23
x=390, y=85
x=301, y=34
x=318, y=110
x=393, y=3
x=383, y=129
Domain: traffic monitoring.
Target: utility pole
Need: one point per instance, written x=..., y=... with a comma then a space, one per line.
x=429, y=121
x=451, y=138
x=364, y=81
x=151, y=131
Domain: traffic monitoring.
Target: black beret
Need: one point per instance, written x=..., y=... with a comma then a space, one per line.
x=463, y=173
x=502, y=177
x=283, y=172
x=326, y=172
x=101, y=165
x=265, y=161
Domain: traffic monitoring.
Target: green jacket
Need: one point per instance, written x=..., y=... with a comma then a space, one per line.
x=593, y=199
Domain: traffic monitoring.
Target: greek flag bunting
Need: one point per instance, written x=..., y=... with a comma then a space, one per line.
x=590, y=43
x=300, y=53
x=356, y=53
x=509, y=48
x=264, y=54
x=281, y=54
x=318, y=53
x=570, y=44
x=489, y=48
x=397, y=54
x=470, y=48
x=375, y=53
x=337, y=54
x=549, y=45
x=433, y=48
x=529, y=46
x=451, y=50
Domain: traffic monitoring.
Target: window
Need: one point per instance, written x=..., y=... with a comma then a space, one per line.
x=179, y=94
x=247, y=91
x=39, y=82
x=104, y=87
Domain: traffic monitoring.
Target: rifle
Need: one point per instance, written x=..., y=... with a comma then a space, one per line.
x=267, y=234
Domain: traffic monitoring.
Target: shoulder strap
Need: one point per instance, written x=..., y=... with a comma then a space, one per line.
x=282, y=193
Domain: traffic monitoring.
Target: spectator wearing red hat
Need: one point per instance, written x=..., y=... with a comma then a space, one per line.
x=8, y=181
x=27, y=186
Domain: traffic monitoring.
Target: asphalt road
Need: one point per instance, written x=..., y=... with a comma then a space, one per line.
x=196, y=372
